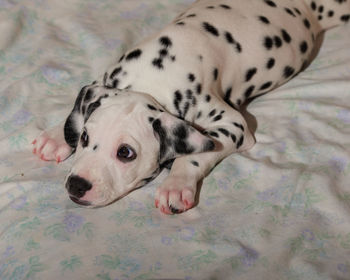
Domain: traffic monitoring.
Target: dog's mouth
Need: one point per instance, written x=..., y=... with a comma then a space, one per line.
x=79, y=201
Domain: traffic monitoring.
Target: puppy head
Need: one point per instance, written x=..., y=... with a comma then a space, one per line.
x=122, y=146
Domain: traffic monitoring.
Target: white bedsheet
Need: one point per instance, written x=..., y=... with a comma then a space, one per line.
x=278, y=211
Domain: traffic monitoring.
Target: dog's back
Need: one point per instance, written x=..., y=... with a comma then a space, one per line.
x=231, y=49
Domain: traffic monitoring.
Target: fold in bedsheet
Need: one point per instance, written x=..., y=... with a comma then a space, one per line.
x=278, y=211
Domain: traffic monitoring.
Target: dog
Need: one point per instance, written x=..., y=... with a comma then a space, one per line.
x=174, y=100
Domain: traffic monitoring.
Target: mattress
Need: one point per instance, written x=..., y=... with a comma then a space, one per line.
x=278, y=211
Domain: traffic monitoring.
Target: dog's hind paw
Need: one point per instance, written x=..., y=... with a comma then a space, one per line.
x=49, y=149
x=173, y=199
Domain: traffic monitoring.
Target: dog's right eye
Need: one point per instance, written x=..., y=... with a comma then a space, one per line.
x=126, y=153
x=84, y=139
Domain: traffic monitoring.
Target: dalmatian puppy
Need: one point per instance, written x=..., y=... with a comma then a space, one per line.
x=174, y=100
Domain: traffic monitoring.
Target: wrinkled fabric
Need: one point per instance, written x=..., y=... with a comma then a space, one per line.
x=278, y=211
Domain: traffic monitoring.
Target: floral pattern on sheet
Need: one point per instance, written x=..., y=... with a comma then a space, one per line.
x=279, y=211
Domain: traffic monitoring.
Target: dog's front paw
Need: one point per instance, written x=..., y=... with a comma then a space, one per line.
x=175, y=196
x=49, y=149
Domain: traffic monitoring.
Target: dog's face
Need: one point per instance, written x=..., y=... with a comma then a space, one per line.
x=122, y=146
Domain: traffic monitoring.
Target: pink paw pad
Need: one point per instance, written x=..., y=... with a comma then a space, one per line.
x=174, y=201
x=49, y=149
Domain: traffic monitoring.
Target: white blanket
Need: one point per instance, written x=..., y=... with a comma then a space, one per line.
x=278, y=211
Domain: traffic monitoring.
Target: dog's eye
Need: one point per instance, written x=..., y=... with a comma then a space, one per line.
x=126, y=153
x=84, y=139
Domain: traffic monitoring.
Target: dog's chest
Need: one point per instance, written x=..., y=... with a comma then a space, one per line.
x=214, y=52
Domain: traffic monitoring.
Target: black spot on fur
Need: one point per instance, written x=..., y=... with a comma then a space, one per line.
x=207, y=98
x=212, y=113
x=240, y=126
x=182, y=147
x=238, y=47
x=177, y=101
x=313, y=6
x=151, y=107
x=228, y=94
x=249, y=91
x=211, y=29
x=268, y=43
x=191, y=77
x=180, y=131
x=195, y=163
x=264, y=20
x=266, y=85
x=230, y=40
x=217, y=118
x=209, y=146
x=84, y=139
x=297, y=11
x=229, y=37
x=307, y=23
x=250, y=73
x=286, y=36
x=121, y=58
x=165, y=41
x=288, y=71
x=290, y=12
x=345, y=18
x=91, y=108
x=185, y=110
x=71, y=133
x=224, y=131
x=278, y=41
x=133, y=55
x=158, y=63
x=199, y=88
x=303, y=47
x=234, y=138
x=163, y=52
x=227, y=98
x=89, y=95
x=115, y=72
x=225, y=7
x=270, y=3
x=214, y=134
x=215, y=74
x=163, y=139
x=270, y=63
x=240, y=142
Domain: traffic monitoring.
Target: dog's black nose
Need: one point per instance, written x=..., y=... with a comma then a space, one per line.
x=77, y=186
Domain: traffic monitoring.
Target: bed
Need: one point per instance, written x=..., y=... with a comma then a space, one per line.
x=278, y=211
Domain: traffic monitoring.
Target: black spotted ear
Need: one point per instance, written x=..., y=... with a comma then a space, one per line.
x=88, y=100
x=177, y=137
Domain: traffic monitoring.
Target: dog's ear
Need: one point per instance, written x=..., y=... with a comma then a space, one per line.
x=177, y=137
x=87, y=101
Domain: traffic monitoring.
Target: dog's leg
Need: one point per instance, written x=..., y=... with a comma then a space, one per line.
x=231, y=134
x=51, y=145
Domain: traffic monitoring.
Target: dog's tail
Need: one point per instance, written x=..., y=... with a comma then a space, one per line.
x=330, y=13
